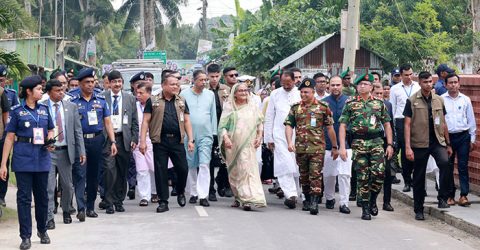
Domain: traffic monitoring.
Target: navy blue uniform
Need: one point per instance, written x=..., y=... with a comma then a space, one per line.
x=94, y=142
x=76, y=92
x=12, y=97
x=31, y=164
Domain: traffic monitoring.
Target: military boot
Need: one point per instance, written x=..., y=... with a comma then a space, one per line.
x=373, y=203
x=306, y=203
x=366, y=211
x=314, y=204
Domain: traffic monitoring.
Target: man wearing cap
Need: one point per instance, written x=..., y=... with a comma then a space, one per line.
x=366, y=115
x=310, y=118
x=348, y=89
x=11, y=93
x=124, y=119
x=4, y=109
x=442, y=71
x=396, y=77
x=95, y=118
x=399, y=93
x=140, y=76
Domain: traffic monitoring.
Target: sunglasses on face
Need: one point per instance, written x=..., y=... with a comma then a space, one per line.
x=233, y=75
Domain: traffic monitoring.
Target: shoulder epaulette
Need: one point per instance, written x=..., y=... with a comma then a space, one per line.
x=16, y=106
x=350, y=99
x=11, y=90
x=295, y=104
x=100, y=96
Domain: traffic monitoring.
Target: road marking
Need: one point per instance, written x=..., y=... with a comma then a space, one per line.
x=201, y=211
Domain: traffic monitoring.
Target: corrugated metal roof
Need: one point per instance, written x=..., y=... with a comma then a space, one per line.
x=295, y=56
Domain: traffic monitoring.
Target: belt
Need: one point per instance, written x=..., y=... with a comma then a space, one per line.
x=368, y=136
x=24, y=139
x=170, y=135
x=61, y=147
x=459, y=133
x=93, y=135
x=118, y=134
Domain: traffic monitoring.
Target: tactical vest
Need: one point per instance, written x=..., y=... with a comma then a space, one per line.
x=419, y=126
x=158, y=111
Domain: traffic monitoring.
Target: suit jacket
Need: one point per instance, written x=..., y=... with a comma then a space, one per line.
x=129, y=108
x=73, y=130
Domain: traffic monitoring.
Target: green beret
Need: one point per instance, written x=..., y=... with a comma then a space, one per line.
x=307, y=83
x=364, y=77
x=345, y=73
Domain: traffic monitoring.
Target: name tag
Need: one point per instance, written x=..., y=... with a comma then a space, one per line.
x=125, y=119
x=38, y=136
x=181, y=117
x=373, y=120
x=313, y=121
x=437, y=120
x=92, y=118
x=116, y=121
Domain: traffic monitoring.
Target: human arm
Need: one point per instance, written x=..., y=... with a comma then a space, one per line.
x=342, y=131
x=189, y=131
x=472, y=125
x=333, y=138
x=134, y=128
x=288, y=135
x=110, y=134
x=143, y=132
x=78, y=135
x=7, y=148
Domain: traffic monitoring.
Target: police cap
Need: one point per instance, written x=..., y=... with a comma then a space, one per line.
x=3, y=70
x=84, y=73
x=307, y=83
x=137, y=77
x=395, y=71
x=30, y=82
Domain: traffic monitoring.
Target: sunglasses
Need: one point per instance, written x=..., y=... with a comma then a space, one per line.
x=233, y=75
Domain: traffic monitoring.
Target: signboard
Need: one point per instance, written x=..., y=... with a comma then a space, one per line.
x=161, y=55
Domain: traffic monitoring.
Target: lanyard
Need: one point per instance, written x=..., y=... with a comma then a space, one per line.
x=409, y=93
x=30, y=113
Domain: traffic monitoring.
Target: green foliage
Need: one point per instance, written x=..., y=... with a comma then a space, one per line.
x=17, y=69
x=12, y=17
x=182, y=42
x=109, y=48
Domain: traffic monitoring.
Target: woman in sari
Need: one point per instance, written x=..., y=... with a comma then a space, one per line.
x=240, y=133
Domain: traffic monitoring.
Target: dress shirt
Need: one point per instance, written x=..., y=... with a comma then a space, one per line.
x=399, y=93
x=61, y=112
x=460, y=116
x=120, y=110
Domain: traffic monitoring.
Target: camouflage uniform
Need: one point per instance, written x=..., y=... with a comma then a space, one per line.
x=350, y=91
x=310, y=142
x=366, y=119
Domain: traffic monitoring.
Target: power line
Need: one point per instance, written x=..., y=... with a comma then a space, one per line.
x=406, y=28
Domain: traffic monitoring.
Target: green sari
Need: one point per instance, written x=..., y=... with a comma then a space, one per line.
x=241, y=123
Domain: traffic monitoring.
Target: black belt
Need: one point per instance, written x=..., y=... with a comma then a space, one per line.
x=93, y=135
x=61, y=147
x=24, y=139
x=459, y=133
x=118, y=134
x=368, y=136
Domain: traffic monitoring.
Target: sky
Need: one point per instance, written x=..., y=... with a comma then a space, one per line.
x=190, y=14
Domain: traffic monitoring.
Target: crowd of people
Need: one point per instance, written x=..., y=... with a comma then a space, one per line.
x=77, y=139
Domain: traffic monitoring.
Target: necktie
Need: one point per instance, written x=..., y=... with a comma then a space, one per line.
x=58, y=123
x=115, y=105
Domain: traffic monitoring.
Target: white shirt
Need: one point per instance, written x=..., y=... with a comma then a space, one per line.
x=321, y=97
x=399, y=93
x=120, y=111
x=61, y=112
x=460, y=116
x=45, y=97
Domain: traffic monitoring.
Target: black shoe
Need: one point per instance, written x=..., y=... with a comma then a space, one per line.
x=44, y=239
x=204, y=203
x=314, y=205
x=359, y=204
x=280, y=193
x=2, y=202
x=193, y=199
x=102, y=205
x=81, y=216
x=50, y=224
x=181, y=200
x=344, y=209
x=366, y=211
x=73, y=211
x=212, y=196
x=419, y=216
x=174, y=192
x=387, y=207
x=110, y=210
x=67, y=219
x=330, y=204
x=306, y=203
x=26, y=244
x=221, y=192
x=162, y=207
x=274, y=189
x=131, y=194
x=352, y=197
x=395, y=180
x=373, y=204
x=443, y=204
x=91, y=214
x=407, y=188
x=119, y=208
x=228, y=192
x=290, y=203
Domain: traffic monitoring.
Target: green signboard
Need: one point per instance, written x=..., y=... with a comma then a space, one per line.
x=161, y=55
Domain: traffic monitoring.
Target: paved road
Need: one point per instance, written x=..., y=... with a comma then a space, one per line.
x=223, y=227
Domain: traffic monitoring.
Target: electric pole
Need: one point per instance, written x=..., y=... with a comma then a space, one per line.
x=351, y=35
x=204, y=19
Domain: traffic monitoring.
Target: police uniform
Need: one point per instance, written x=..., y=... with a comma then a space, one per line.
x=31, y=160
x=365, y=118
x=5, y=105
x=309, y=121
x=92, y=114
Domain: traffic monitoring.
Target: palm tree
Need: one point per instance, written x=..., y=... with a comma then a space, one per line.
x=148, y=16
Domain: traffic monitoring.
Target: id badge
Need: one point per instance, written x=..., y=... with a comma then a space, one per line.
x=125, y=119
x=313, y=121
x=38, y=136
x=437, y=120
x=373, y=120
x=181, y=117
x=116, y=121
x=92, y=118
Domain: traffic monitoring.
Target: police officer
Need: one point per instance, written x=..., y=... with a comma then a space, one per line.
x=30, y=124
x=310, y=117
x=95, y=117
x=4, y=108
x=365, y=114
x=11, y=93
x=166, y=117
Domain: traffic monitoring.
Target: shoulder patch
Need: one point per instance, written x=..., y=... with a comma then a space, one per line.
x=16, y=106
x=100, y=96
x=43, y=104
x=350, y=99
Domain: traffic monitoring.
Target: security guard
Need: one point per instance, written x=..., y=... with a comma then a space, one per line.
x=365, y=114
x=4, y=109
x=348, y=89
x=135, y=79
x=310, y=117
x=95, y=117
x=29, y=127
x=11, y=93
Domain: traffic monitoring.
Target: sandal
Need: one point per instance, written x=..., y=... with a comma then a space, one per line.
x=235, y=204
x=143, y=203
x=247, y=207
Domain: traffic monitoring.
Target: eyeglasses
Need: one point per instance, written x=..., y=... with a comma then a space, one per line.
x=242, y=90
x=116, y=81
x=233, y=75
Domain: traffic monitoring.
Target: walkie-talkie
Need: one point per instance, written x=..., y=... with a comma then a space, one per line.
x=50, y=142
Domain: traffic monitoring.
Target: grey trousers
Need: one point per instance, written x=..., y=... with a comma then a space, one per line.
x=60, y=163
x=115, y=172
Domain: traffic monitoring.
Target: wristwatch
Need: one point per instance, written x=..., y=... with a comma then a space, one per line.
x=113, y=142
x=192, y=141
x=334, y=147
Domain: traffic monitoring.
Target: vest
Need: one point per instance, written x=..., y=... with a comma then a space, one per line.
x=419, y=126
x=158, y=112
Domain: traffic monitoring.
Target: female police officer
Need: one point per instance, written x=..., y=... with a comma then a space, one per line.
x=30, y=123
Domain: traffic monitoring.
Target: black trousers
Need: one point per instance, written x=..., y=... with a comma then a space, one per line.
x=4, y=183
x=216, y=162
x=387, y=183
x=115, y=172
x=407, y=166
x=421, y=155
x=170, y=147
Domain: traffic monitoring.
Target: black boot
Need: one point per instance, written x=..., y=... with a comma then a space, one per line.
x=373, y=203
x=306, y=203
x=366, y=211
x=314, y=204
